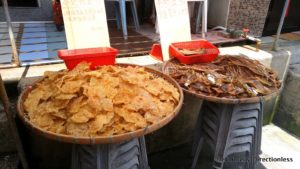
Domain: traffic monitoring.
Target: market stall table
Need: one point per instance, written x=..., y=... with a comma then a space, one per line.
x=119, y=151
x=230, y=126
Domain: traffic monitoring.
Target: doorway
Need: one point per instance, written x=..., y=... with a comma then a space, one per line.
x=22, y=3
x=292, y=19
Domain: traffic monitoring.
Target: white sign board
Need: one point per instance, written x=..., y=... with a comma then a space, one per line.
x=174, y=23
x=85, y=23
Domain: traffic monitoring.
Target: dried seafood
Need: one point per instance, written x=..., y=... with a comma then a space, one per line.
x=107, y=101
x=188, y=52
x=227, y=76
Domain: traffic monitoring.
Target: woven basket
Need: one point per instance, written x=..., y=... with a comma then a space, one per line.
x=101, y=139
x=223, y=99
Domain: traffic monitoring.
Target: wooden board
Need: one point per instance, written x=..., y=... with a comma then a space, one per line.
x=85, y=23
x=174, y=23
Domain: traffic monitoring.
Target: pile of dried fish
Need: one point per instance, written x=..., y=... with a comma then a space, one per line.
x=227, y=76
x=188, y=52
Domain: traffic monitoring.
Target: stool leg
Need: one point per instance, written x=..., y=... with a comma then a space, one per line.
x=118, y=15
x=260, y=122
x=197, y=132
x=74, y=158
x=197, y=153
x=143, y=153
x=122, y=6
x=257, y=150
x=135, y=15
x=204, y=19
x=223, y=134
x=199, y=14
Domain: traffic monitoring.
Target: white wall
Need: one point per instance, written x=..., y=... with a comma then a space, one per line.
x=218, y=12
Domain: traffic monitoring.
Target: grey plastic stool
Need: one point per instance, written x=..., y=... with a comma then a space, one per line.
x=121, y=15
x=130, y=154
x=229, y=129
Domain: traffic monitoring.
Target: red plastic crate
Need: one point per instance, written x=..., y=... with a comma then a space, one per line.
x=211, y=51
x=96, y=56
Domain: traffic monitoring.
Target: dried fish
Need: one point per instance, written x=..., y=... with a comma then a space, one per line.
x=227, y=76
x=188, y=52
x=211, y=79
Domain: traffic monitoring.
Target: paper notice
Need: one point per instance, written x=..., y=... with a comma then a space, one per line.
x=85, y=23
x=174, y=23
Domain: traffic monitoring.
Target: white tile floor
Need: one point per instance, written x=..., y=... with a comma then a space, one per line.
x=37, y=43
x=277, y=143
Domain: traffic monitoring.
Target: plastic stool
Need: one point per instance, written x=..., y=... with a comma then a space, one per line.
x=229, y=129
x=126, y=155
x=121, y=15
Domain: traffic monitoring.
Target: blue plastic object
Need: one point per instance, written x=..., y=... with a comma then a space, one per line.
x=121, y=15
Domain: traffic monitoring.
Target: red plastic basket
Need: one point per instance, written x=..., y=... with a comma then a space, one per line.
x=211, y=51
x=156, y=52
x=96, y=56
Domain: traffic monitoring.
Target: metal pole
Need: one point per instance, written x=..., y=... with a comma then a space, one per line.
x=15, y=57
x=275, y=44
x=10, y=118
x=204, y=18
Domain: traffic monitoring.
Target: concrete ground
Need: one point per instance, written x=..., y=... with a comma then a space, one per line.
x=277, y=143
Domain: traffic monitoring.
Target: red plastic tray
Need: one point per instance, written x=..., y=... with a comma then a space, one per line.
x=211, y=51
x=96, y=56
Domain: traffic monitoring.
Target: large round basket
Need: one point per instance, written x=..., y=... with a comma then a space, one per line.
x=224, y=100
x=101, y=139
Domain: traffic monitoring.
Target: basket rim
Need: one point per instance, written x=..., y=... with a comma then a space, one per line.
x=101, y=139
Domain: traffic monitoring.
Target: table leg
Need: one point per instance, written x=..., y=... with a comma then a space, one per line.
x=122, y=6
x=204, y=19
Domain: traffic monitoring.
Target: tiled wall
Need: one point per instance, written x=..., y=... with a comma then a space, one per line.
x=248, y=13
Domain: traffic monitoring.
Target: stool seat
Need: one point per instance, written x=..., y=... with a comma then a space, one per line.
x=121, y=15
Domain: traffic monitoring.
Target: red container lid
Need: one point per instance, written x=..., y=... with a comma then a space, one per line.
x=96, y=56
x=210, y=51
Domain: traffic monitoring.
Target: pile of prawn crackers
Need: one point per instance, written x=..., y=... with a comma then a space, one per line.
x=110, y=100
